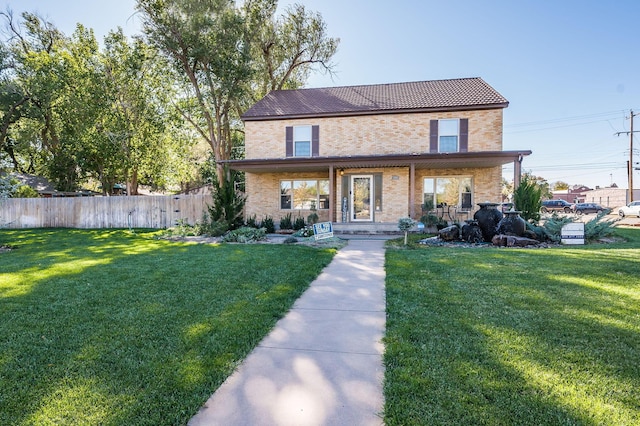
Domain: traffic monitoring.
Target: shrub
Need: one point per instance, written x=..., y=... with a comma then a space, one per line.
x=285, y=222
x=528, y=199
x=211, y=227
x=552, y=227
x=245, y=234
x=312, y=218
x=268, y=224
x=227, y=202
x=299, y=223
x=598, y=228
x=25, y=191
x=307, y=231
x=252, y=222
x=405, y=224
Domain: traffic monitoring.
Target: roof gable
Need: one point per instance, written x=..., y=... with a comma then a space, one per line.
x=420, y=96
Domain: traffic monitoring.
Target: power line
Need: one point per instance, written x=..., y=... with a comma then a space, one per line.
x=559, y=120
x=555, y=123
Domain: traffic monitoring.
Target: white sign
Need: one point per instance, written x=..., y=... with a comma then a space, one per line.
x=572, y=233
x=322, y=230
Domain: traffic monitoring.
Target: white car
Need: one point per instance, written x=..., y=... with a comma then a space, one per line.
x=632, y=209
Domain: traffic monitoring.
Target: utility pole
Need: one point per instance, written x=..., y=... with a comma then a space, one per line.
x=630, y=162
x=631, y=157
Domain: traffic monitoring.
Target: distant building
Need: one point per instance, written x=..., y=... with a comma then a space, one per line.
x=576, y=194
x=610, y=197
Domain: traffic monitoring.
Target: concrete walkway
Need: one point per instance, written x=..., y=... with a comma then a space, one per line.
x=322, y=363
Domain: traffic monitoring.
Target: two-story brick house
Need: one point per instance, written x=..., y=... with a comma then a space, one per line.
x=372, y=154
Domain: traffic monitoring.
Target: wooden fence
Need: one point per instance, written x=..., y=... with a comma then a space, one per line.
x=102, y=212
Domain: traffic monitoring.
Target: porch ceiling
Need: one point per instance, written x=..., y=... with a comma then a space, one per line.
x=421, y=161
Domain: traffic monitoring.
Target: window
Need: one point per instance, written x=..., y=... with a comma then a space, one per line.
x=448, y=136
x=305, y=194
x=302, y=141
x=452, y=191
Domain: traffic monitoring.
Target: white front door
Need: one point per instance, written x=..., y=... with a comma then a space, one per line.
x=361, y=190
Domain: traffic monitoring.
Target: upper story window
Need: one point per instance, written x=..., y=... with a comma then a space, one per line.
x=449, y=135
x=302, y=141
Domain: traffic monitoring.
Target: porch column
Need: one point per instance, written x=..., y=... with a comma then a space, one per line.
x=412, y=190
x=517, y=172
x=332, y=194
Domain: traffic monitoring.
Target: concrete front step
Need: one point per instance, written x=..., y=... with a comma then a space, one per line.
x=366, y=228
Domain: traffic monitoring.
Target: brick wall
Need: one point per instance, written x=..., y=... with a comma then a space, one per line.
x=373, y=134
x=370, y=135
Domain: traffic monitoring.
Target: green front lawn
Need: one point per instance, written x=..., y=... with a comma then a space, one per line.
x=106, y=327
x=514, y=336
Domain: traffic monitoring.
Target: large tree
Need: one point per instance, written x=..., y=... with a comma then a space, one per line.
x=229, y=56
x=57, y=76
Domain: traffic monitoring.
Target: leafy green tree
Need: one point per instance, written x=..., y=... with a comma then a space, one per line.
x=58, y=77
x=230, y=56
x=286, y=49
x=140, y=118
x=560, y=186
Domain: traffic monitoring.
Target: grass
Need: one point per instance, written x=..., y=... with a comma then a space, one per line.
x=113, y=328
x=513, y=336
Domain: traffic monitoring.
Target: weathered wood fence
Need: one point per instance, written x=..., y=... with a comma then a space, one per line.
x=102, y=212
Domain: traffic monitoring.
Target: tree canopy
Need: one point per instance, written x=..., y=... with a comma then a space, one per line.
x=133, y=110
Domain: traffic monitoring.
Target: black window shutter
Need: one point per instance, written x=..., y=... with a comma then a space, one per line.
x=289, y=141
x=464, y=134
x=315, y=141
x=433, y=136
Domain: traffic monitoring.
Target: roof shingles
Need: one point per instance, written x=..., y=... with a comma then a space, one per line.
x=454, y=94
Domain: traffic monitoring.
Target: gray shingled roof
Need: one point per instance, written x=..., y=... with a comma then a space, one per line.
x=434, y=95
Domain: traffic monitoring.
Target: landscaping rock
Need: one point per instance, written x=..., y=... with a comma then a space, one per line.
x=513, y=241
x=450, y=233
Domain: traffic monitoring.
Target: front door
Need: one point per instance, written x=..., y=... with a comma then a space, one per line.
x=361, y=210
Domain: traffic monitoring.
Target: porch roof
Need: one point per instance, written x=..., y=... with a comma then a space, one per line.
x=420, y=161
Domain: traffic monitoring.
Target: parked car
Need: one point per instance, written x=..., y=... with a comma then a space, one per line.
x=586, y=208
x=556, y=206
x=631, y=209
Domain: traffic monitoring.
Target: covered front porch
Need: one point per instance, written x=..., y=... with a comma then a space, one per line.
x=367, y=192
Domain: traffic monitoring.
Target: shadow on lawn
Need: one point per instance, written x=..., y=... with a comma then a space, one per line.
x=132, y=330
x=514, y=336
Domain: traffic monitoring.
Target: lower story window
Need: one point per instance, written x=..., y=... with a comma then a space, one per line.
x=452, y=191
x=305, y=194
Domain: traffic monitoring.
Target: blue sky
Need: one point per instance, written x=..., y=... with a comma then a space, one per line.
x=568, y=68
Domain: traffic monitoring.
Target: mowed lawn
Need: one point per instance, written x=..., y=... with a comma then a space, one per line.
x=113, y=328
x=514, y=336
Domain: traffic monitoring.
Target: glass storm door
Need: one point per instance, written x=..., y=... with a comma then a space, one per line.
x=361, y=198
